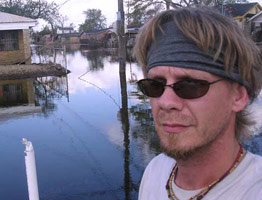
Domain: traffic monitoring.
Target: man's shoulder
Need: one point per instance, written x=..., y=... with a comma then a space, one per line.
x=247, y=181
x=160, y=165
x=162, y=158
x=256, y=157
x=155, y=176
x=250, y=170
x=255, y=161
x=161, y=161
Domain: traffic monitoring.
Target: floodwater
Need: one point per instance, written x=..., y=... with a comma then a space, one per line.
x=92, y=131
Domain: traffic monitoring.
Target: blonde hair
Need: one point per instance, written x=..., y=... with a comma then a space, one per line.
x=211, y=31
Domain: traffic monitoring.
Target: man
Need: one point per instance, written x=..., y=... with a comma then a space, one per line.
x=201, y=72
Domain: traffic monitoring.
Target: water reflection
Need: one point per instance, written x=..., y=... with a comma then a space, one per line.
x=144, y=129
x=94, y=147
x=47, y=90
x=17, y=99
x=125, y=128
x=96, y=57
x=16, y=92
x=29, y=96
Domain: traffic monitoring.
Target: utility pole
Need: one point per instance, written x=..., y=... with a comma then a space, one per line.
x=121, y=32
x=124, y=99
x=122, y=50
x=222, y=7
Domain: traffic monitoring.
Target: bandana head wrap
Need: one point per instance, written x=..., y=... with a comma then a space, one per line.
x=173, y=48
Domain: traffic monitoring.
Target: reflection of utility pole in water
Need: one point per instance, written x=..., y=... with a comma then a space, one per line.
x=125, y=127
x=54, y=53
x=63, y=50
x=65, y=60
x=133, y=75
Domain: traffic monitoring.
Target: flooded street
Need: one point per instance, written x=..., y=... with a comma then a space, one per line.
x=92, y=133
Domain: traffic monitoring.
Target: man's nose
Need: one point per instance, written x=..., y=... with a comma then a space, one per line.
x=169, y=100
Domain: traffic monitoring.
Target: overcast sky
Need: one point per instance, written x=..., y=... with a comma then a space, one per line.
x=74, y=9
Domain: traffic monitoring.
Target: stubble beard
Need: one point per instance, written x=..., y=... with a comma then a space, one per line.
x=207, y=136
x=186, y=154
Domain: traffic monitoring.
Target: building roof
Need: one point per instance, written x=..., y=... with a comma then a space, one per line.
x=10, y=18
x=134, y=26
x=255, y=16
x=129, y=29
x=65, y=35
x=66, y=28
x=95, y=31
x=239, y=9
x=15, y=22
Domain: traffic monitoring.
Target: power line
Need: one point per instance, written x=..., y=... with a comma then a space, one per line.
x=61, y=5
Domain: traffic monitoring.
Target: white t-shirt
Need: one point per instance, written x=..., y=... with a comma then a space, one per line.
x=244, y=183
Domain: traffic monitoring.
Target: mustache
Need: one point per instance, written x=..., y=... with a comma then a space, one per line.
x=175, y=117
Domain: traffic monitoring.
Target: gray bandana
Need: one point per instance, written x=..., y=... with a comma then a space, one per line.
x=173, y=48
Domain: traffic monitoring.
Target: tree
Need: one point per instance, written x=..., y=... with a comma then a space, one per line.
x=61, y=20
x=34, y=9
x=142, y=10
x=45, y=30
x=94, y=20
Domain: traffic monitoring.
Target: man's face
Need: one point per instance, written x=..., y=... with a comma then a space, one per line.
x=184, y=125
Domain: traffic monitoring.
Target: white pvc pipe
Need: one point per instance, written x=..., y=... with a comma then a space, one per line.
x=31, y=170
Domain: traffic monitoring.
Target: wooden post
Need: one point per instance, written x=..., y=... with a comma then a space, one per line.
x=123, y=84
x=121, y=33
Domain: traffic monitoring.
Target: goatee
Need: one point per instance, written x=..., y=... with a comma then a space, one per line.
x=185, y=154
x=178, y=154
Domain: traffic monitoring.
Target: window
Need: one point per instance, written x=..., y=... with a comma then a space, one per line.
x=9, y=40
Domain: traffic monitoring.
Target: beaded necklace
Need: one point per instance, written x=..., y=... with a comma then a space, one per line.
x=204, y=191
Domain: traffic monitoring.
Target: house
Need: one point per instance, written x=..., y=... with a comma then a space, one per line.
x=69, y=38
x=97, y=37
x=108, y=37
x=15, y=39
x=255, y=23
x=131, y=32
x=65, y=30
x=241, y=12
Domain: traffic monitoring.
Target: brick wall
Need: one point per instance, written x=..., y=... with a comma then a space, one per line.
x=17, y=56
x=27, y=50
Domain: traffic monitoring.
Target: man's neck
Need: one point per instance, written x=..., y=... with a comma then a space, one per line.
x=207, y=164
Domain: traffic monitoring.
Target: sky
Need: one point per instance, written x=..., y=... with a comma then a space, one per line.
x=74, y=9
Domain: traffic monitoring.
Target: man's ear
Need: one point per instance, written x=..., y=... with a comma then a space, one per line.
x=240, y=97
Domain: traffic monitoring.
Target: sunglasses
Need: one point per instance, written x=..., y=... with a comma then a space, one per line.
x=185, y=89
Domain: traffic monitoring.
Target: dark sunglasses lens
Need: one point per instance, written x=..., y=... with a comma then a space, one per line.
x=151, y=88
x=191, y=89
